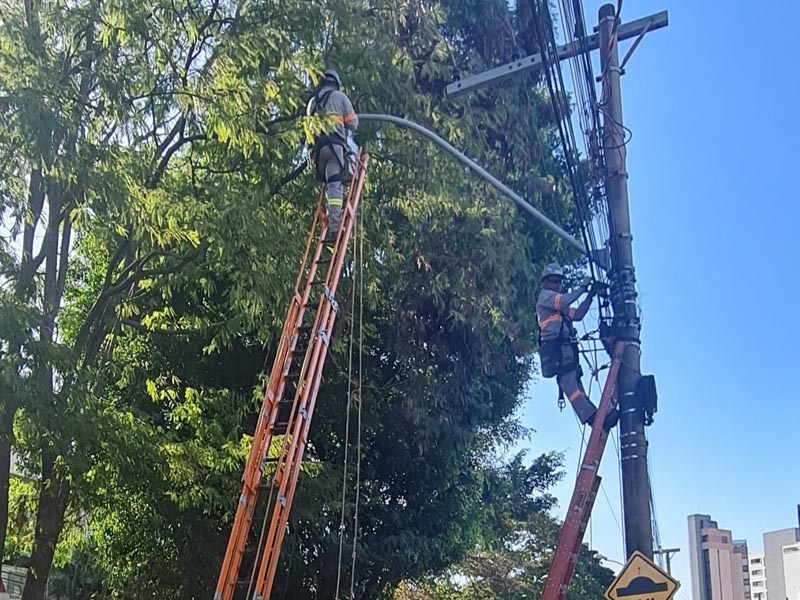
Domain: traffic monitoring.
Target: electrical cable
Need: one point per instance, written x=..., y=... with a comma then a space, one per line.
x=359, y=268
x=346, y=435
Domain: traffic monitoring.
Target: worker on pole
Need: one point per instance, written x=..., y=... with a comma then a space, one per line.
x=333, y=153
x=558, y=340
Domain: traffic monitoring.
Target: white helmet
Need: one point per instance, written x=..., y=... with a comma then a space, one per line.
x=552, y=270
x=332, y=76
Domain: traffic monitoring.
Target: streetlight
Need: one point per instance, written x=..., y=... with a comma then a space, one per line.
x=604, y=558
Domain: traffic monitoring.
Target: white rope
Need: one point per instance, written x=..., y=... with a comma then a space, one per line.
x=346, y=432
x=360, y=270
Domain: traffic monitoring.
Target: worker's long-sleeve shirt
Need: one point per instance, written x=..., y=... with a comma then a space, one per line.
x=552, y=308
x=338, y=105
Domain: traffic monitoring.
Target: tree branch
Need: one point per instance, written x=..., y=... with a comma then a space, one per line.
x=166, y=331
x=287, y=179
x=165, y=151
x=66, y=236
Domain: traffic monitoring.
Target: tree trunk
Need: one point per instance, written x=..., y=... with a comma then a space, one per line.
x=53, y=500
x=6, y=433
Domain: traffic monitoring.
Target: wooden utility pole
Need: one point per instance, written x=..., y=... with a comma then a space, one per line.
x=633, y=443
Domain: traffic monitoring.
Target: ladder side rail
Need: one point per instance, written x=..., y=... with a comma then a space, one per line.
x=579, y=538
x=574, y=523
x=305, y=400
x=292, y=460
x=334, y=270
x=576, y=550
x=310, y=240
x=262, y=437
x=284, y=357
x=253, y=472
x=296, y=321
x=226, y=582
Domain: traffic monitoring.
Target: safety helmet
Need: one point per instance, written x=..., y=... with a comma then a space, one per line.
x=332, y=75
x=551, y=270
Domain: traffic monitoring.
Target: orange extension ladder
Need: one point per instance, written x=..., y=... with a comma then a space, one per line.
x=248, y=569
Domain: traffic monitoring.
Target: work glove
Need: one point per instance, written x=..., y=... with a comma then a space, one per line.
x=599, y=289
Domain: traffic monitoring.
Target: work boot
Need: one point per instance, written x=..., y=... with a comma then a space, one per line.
x=334, y=220
x=612, y=418
x=585, y=409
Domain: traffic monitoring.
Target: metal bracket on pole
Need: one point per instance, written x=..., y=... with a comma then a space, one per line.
x=534, y=61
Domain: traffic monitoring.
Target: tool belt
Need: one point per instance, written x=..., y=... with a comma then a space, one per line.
x=559, y=355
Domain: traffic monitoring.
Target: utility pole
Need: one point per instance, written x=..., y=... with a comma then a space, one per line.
x=633, y=444
x=635, y=478
x=668, y=553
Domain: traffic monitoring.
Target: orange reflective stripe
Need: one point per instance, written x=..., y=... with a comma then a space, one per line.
x=557, y=302
x=349, y=118
x=548, y=320
x=571, y=313
x=575, y=395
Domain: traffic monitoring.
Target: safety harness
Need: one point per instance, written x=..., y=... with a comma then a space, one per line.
x=551, y=352
x=330, y=140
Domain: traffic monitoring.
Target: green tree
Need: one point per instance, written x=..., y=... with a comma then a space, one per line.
x=134, y=332
x=103, y=105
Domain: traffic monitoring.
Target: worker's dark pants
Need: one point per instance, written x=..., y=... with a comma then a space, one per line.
x=569, y=380
x=329, y=166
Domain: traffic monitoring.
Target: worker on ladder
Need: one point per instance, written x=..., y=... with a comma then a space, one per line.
x=333, y=154
x=558, y=341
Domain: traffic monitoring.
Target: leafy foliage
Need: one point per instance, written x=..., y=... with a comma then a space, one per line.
x=150, y=241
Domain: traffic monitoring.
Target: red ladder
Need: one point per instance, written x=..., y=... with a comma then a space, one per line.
x=586, y=487
x=286, y=412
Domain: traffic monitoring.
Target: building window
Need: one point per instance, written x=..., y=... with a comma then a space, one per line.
x=704, y=538
x=790, y=549
x=724, y=539
x=755, y=561
x=757, y=572
x=744, y=569
x=758, y=584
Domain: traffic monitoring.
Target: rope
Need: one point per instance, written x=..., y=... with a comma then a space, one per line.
x=359, y=268
x=346, y=434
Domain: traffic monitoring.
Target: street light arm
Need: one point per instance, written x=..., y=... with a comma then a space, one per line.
x=481, y=172
x=604, y=558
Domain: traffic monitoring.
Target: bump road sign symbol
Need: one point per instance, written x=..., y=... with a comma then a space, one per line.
x=640, y=579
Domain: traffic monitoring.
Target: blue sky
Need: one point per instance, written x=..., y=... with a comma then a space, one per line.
x=715, y=209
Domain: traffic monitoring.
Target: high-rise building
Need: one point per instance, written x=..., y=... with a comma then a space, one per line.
x=740, y=550
x=774, y=543
x=718, y=572
x=758, y=576
x=791, y=571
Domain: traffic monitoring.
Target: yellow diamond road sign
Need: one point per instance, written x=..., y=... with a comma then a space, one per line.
x=640, y=579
